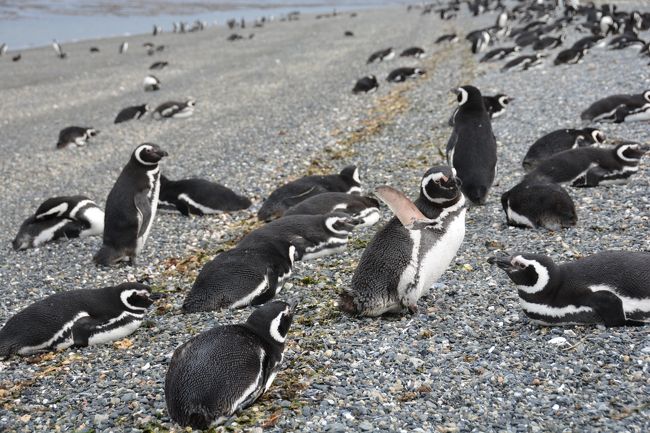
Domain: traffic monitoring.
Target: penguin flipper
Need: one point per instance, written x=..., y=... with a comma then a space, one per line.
x=143, y=206
x=608, y=307
x=82, y=330
x=403, y=208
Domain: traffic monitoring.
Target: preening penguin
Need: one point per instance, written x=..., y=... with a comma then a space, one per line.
x=612, y=288
x=226, y=369
x=174, y=109
x=76, y=317
x=366, y=84
x=472, y=148
x=559, y=141
x=130, y=113
x=77, y=135
x=363, y=209
x=410, y=253
x=131, y=206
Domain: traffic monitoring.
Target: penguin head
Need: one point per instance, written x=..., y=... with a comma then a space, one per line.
x=135, y=296
x=469, y=98
x=593, y=136
x=630, y=152
x=191, y=102
x=351, y=175
x=440, y=185
x=530, y=272
x=148, y=154
x=26, y=234
x=504, y=99
x=646, y=95
x=272, y=320
x=340, y=224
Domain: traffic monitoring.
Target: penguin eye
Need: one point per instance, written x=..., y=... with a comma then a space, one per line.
x=521, y=265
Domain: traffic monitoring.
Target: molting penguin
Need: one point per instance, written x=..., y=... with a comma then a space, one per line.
x=130, y=113
x=381, y=55
x=151, y=83
x=472, y=148
x=412, y=250
x=227, y=368
x=606, y=107
x=256, y=269
x=612, y=288
x=301, y=189
x=363, y=209
x=559, y=141
x=199, y=196
x=174, y=109
x=76, y=317
x=366, y=84
x=402, y=74
x=416, y=52
x=76, y=135
x=131, y=206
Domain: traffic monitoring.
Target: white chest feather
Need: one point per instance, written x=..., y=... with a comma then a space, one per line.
x=518, y=218
x=153, y=194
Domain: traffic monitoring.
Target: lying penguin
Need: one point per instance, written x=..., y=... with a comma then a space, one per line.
x=361, y=208
x=559, y=141
x=605, y=108
x=199, y=196
x=75, y=135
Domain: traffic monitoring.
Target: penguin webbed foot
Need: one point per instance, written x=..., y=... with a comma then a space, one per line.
x=629, y=322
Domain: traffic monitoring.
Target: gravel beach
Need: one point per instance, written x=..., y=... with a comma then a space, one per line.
x=277, y=107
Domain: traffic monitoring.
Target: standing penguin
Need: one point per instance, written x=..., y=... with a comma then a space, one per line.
x=472, y=148
x=124, y=47
x=226, y=369
x=131, y=206
x=76, y=317
x=412, y=250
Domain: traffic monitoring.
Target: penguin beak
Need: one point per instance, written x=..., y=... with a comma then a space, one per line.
x=503, y=262
x=293, y=303
x=455, y=91
x=445, y=178
x=161, y=153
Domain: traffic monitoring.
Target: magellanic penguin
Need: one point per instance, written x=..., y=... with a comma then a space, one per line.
x=133, y=112
x=630, y=112
x=366, y=84
x=548, y=43
x=175, y=109
x=570, y=56
x=151, y=83
x=500, y=53
x=199, y=196
x=402, y=74
x=363, y=209
x=610, y=288
x=131, y=206
x=523, y=63
x=410, y=253
x=124, y=47
x=591, y=166
x=77, y=135
x=158, y=65
x=76, y=317
x=416, y=52
x=256, y=269
x=588, y=42
x=34, y=232
x=496, y=105
x=559, y=141
x=58, y=50
x=381, y=55
x=451, y=37
x=606, y=107
x=472, y=148
x=227, y=368
x=294, y=192
x=538, y=202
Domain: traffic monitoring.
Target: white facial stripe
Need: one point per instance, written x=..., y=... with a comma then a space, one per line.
x=646, y=94
x=623, y=148
x=292, y=255
x=206, y=210
x=139, y=150
x=275, y=326
x=82, y=203
x=546, y=310
x=463, y=96
x=432, y=177
x=598, y=136
x=503, y=100
x=543, y=276
x=125, y=295
x=329, y=223
x=355, y=176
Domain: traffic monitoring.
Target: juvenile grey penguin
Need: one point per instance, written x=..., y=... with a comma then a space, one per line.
x=77, y=135
x=606, y=107
x=611, y=287
x=131, y=206
x=175, y=109
x=76, y=317
x=256, y=269
x=294, y=192
x=363, y=209
x=472, y=148
x=402, y=74
x=366, y=84
x=410, y=253
x=131, y=113
x=559, y=141
x=227, y=368
x=381, y=55
x=199, y=196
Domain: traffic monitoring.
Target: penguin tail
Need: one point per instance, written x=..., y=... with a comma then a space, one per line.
x=477, y=194
x=106, y=256
x=346, y=303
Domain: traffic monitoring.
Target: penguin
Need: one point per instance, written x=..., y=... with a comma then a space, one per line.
x=17, y=57
x=591, y=166
x=77, y=208
x=548, y=43
x=131, y=113
x=588, y=42
x=472, y=148
x=294, y=192
x=255, y=270
x=452, y=37
x=3, y=49
x=610, y=288
x=57, y=49
x=234, y=37
x=381, y=55
x=523, y=63
x=94, y=49
x=75, y=318
x=362, y=208
x=416, y=52
x=570, y=56
x=76, y=135
x=410, y=253
x=227, y=368
x=131, y=206
x=559, y=141
x=536, y=203
x=158, y=65
x=124, y=47
x=606, y=107
x=626, y=40
x=496, y=105
x=151, y=83
x=500, y=53
x=402, y=74
x=366, y=84
x=199, y=196
x=175, y=109
x=34, y=232
x=156, y=30
x=348, y=34
x=631, y=112
x=480, y=41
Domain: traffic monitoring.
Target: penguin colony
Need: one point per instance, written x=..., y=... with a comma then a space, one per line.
x=220, y=372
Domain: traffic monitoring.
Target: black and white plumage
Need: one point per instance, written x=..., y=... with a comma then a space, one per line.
x=605, y=108
x=366, y=84
x=559, y=141
x=124, y=46
x=500, y=53
x=496, y=105
x=3, y=49
x=17, y=57
x=158, y=65
x=536, y=203
x=348, y=34
x=611, y=288
x=416, y=52
x=364, y=209
x=175, y=109
x=472, y=148
x=75, y=318
x=131, y=206
x=381, y=55
x=548, y=43
x=58, y=50
x=77, y=135
x=451, y=37
x=410, y=253
x=588, y=42
x=196, y=196
x=94, y=49
x=523, y=63
x=630, y=112
x=480, y=41
x=570, y=56
x=294, y=192
x=257, y=268
x=591, y=166
x=626, y=40
x=402, y=74
x=132, y=113
x=151, y=83
x=227, y=368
